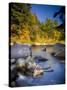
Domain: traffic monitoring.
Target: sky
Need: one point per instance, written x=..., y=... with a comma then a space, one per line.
x=45, y=11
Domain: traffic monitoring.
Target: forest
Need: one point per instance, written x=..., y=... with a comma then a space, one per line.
x=25, y=26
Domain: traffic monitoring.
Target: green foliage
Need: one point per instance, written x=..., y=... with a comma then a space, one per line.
x=19, y=14
x=26, y=28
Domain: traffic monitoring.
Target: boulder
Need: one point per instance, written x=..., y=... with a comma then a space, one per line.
x=38, y=72
x=19, y=51
x=28, y=67
x=12, y=61
x=20, y=62
x=34, y=71
x=59, y=50
x=58, y=47
x=60, y=54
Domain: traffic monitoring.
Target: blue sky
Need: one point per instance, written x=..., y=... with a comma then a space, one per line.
x=45, y=11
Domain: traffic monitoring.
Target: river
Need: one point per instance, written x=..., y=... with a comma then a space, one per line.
x=55, y=74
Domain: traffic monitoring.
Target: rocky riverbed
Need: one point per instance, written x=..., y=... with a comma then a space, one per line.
x=42, y=68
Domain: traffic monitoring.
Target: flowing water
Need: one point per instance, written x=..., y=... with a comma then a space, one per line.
x=54, y=75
